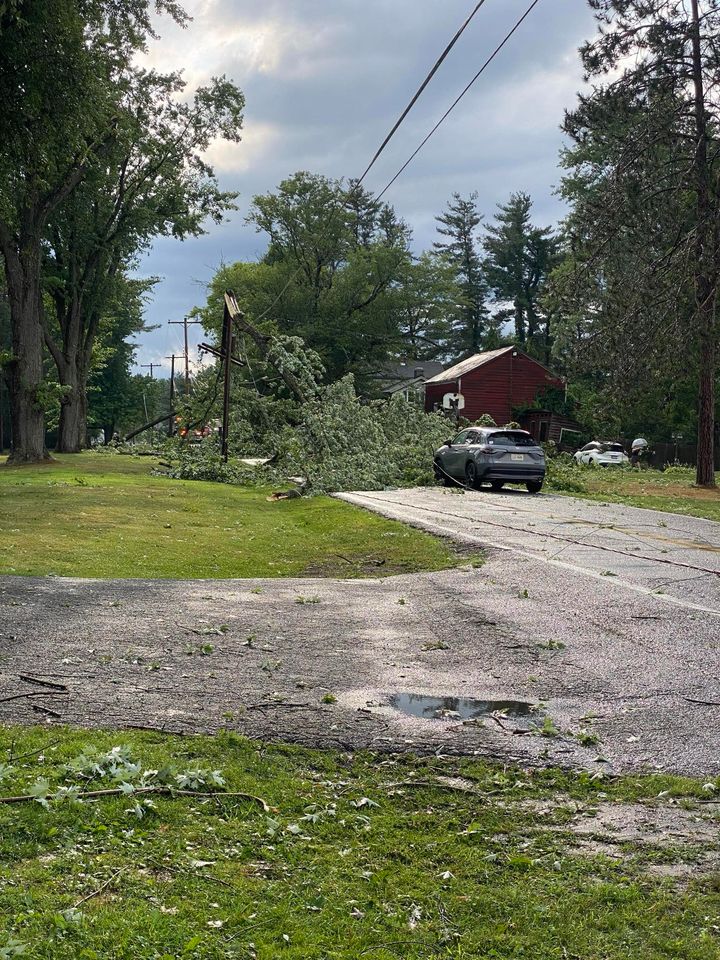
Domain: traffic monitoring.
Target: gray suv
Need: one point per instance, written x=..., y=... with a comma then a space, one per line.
x=491, y=455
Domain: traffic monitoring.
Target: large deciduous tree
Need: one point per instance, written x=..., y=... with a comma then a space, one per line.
x=153, y=182
x=644, y=184
x=329, y=275
x=59, y=99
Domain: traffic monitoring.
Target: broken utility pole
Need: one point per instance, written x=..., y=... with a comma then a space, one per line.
x=262, y=342
x=171, y=358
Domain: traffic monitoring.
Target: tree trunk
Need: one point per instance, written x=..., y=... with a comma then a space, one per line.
x=704, y=275
x=706, y=410
x=72, y=431
x=25, y=370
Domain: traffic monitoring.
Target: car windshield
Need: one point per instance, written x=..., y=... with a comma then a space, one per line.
x=612, y=448
x=512, y=438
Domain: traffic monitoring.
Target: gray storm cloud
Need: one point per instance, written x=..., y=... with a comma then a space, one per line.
x=324, y=81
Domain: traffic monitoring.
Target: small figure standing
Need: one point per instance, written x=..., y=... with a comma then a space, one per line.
x=638, y=452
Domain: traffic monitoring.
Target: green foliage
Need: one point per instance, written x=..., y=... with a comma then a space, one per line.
x=563, y=473
x=340, y=443
x=634, y=299
x=519, y=257
x=375, y=853
x=334, y=258
x=459, y=226
x=203, y=461
x=485, y=420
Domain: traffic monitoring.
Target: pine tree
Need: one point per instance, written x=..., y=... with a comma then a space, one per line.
x=519, y=259
x=644, y=185
x=459, y=224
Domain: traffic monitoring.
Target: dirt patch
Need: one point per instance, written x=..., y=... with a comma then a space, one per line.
x=665, y=840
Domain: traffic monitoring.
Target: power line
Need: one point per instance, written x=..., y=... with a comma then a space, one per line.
x=447, y=113
x=418, y=94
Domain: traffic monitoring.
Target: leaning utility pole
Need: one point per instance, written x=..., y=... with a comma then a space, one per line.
x=186, y=321
x=227, y=350
x=171, y=358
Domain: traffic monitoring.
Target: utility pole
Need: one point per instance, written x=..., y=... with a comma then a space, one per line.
x=227, y=350
x=172, y=376
x=171, y=425
x=152, y=367
x=186, y=321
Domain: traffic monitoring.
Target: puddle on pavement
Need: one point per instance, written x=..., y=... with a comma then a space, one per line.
x=464, y=708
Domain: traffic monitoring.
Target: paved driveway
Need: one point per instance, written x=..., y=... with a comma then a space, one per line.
x=565, y=615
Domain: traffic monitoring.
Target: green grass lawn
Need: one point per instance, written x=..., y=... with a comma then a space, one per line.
x=672, y=490
x=348, y=862
x=94, y=515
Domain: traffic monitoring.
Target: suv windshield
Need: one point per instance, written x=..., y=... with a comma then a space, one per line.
x=511, y=438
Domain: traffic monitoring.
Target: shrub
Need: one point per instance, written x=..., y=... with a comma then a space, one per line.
x=485, y=420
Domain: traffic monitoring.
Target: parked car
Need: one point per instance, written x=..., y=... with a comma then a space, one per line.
x=494, y=456
x=602, y=453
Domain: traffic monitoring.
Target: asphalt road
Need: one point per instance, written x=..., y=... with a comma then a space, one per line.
x=565, y=616
x=663, y=554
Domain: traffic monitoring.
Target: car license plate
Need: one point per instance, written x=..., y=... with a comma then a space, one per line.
x=517, y=456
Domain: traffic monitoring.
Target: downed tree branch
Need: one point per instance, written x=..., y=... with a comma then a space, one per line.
x=99, y=889
x=43, y=683
x=36, y=693
x=46, y=711
x=162, y=791
x=32, y=753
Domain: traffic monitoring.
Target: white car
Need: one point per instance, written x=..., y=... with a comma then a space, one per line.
x=601, y=453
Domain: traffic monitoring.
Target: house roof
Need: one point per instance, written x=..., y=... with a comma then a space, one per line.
x=465, y=366
x=397, y=373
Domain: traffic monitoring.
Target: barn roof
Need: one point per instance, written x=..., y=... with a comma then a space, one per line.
x=465, y=366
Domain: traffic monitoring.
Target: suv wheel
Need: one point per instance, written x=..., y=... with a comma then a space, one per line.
x=534, y=486
x=471, y=477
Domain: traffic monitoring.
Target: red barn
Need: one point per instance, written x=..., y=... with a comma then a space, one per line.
x=494, y=382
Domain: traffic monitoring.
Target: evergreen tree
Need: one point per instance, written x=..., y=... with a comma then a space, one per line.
x=459, y=224
x=519, y=259
x=644, y=183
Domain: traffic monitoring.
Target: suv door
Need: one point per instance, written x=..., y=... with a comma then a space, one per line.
x=454, y=458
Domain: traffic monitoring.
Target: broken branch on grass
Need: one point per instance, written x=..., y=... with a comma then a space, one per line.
x=99, y=889
x=159, y=790
x=32, y=753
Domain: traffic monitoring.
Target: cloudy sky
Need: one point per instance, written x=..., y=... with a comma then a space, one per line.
x=324, y=81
